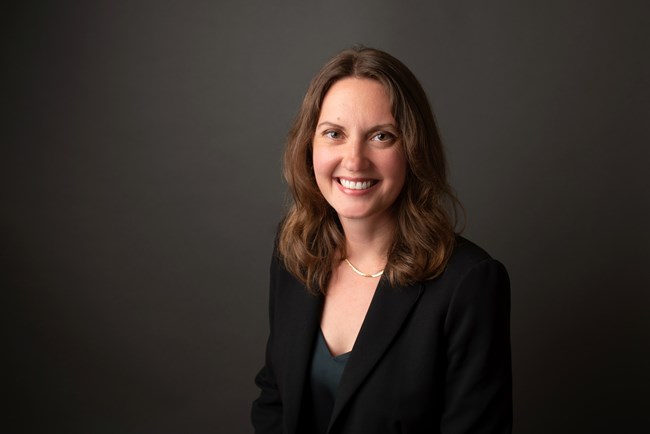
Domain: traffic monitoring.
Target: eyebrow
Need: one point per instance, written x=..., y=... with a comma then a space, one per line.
x=374, y=128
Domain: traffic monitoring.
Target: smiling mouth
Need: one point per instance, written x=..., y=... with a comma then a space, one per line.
x=356, y=185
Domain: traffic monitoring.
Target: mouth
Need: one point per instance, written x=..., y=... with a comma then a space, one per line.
x=356, y=185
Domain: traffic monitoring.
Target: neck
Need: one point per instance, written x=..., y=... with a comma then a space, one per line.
x=367, y=244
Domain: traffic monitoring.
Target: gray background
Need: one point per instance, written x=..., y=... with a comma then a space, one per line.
x=141, y=188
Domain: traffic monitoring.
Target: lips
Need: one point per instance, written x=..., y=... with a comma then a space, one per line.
x=357, y=185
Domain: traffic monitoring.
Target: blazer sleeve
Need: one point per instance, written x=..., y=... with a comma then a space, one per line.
x=266, y=414
x=478, y=393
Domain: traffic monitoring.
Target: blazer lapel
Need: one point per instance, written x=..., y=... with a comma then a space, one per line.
x=388, y=310
x=305, y=312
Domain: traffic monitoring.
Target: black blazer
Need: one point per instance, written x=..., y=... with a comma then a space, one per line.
x=429, y=358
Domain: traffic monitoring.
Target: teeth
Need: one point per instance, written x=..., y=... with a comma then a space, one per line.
x=356, y=185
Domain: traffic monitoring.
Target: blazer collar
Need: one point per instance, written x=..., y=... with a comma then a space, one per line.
x=389, y=308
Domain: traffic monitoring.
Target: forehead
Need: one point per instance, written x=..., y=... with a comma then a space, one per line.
x=357, y=99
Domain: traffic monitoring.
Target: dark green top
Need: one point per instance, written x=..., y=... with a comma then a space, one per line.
x=324, y=376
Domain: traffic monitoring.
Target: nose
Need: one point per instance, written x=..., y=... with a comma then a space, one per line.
x=355, y=158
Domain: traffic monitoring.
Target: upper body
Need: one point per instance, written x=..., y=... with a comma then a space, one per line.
x=423, y=315
x=433, y=357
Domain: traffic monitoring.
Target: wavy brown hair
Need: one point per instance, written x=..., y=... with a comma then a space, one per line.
x=311, y=238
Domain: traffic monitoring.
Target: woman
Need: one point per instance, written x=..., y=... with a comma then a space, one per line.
x=383, y=320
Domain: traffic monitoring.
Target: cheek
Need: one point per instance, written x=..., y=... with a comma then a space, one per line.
x=396, y=169
x=322, y=162
x=396, y=166
x=320, y=169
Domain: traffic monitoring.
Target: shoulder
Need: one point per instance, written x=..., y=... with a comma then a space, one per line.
x=466, y=253
x=283, y=284
x=469, y=266
x=466, y=257
x=280, y=276
x=474, y=288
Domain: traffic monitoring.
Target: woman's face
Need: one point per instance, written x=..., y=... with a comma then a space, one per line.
x=358, y=159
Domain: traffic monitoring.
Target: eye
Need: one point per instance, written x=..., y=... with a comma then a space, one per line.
x=332, y=134
x=383, y=136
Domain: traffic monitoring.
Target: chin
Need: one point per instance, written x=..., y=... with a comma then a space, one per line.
x=351, y=214
x=357, y=214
